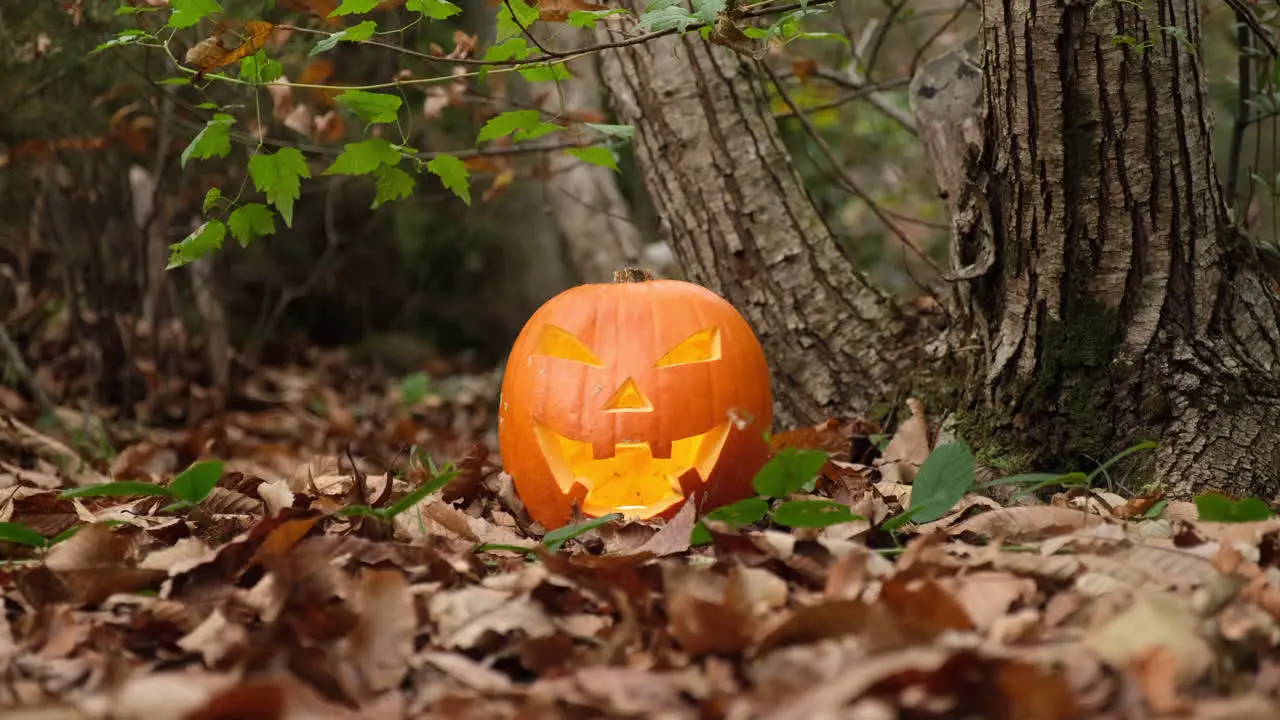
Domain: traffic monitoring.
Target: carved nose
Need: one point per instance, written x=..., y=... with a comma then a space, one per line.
x=628, y=398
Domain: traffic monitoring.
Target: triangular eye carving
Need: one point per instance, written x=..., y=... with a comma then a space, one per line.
x=702, y=346
x=560, y=343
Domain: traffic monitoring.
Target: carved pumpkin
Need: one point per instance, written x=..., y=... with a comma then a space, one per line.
x=633, y=397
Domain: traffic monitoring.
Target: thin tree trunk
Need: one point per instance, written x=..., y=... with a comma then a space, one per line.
x=741, y=223
x=1121, y=306
x=588, y=207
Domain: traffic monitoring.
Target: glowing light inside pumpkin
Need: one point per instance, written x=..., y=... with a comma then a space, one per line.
x=628, y=398
x=560, y=343
x=632, y=481
x=702, y=346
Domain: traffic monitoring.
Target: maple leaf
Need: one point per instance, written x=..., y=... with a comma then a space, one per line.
x=519, y=124
x=434, y=9
x=601, y=156
x=355, y=33
x=353, y=7
x=251, y=221
x=362, y=158
x=189, y=12
x=213, y=141
x=205, y=239
x=370, y=106
x=453, y=174
x=278, y=176
x=393, y=184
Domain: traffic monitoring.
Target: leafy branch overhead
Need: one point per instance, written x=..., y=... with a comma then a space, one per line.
x=243, y=52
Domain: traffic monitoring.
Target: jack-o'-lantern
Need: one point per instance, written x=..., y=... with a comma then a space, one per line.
x=634, y=397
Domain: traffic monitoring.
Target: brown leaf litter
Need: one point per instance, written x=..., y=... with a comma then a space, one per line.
x=263, y=602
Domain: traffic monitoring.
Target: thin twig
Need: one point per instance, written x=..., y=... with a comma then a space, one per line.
x=14, y=356
x=863, y=92
x=843, y=175
x=1244, y=70
x=549, y=55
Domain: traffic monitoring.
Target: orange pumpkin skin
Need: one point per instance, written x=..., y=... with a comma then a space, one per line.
x=633, y=397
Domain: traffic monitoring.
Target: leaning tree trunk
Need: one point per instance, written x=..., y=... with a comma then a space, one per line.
x=1121, y=306
x=741, y=223
x=585, y=199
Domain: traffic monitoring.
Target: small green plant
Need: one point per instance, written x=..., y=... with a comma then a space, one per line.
x=439, y=478
x=22, y=535
x=189, y=489
x=1039, y=481
x=556, y=539
x=1216, y=507
x=790, y=470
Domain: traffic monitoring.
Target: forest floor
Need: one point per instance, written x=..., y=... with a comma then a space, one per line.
x=309, y=577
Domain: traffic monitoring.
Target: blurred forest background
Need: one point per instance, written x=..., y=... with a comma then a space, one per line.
x=420, y=297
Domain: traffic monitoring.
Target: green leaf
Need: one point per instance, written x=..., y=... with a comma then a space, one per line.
x=414, y=387
x=787, y=471
x=250, y=222
x=556, y=539
x=545, y=72
x=189, y=12
x=393, y=184
x=371, y=107
x=196, y=482
x=588, y=18
x=660, y=15
x=205, y=239
x=520, y=124
x=944, y=477
x=736, y=515
x=212, y=141
x=601, y=156
x=622, y=132
x=356, y=510
x=21, y=534
x=121, y=488
x=1102, y=469
x=434, y=9
x=453, y=174
x=1155, y=510
x=742, y=513
x=67, y=534
x=354, y=7
x=515, y=48
x=424, y=490
x=258, y=68
x=278, y=176
x=355, y=33
x=211, y=199
x=706, y=10
x=507, y=25
x=813, y=513
x=1215, y=507
x=897, y=521
x=124, y=37
x=362, y=158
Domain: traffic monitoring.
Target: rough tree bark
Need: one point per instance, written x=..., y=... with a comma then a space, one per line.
x=741, y=223
x=1121, y=305
x=1110, y=298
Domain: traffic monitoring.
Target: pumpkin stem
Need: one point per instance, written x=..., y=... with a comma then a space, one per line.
x=631, y=275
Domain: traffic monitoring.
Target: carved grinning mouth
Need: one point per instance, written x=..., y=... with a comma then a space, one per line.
x=633, y=481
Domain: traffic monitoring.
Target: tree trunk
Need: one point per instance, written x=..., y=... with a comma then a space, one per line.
x=584, y=198
x=1121, y=305
x=741, y=223
x=1109, y=298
